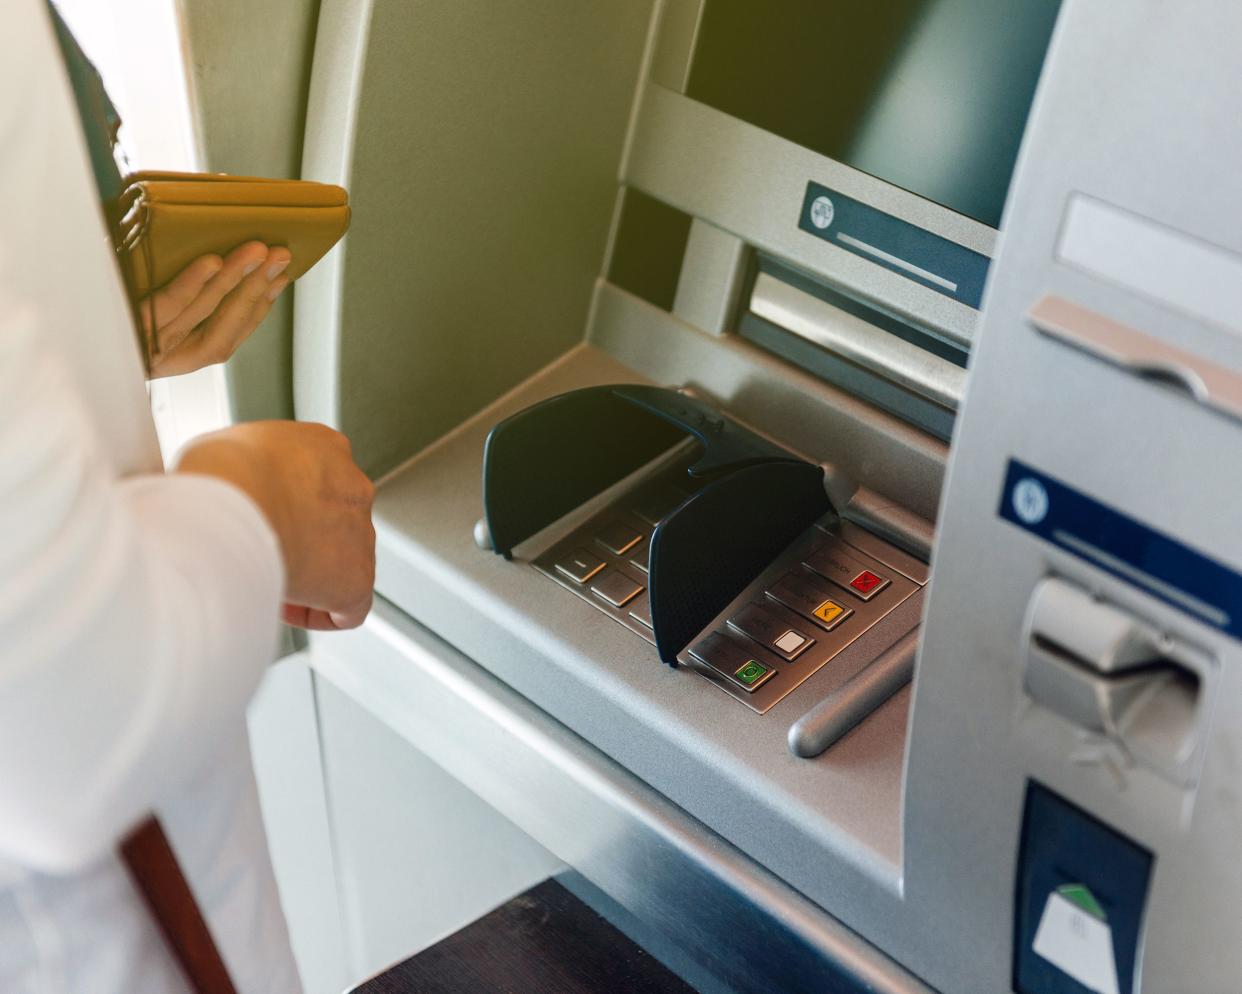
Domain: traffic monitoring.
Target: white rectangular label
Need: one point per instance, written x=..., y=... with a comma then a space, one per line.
x=1078, y=944
x=1162, y=263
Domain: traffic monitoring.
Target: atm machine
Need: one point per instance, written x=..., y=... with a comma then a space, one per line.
x=724, y=364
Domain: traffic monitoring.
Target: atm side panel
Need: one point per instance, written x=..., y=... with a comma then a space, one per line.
x=1072, y=811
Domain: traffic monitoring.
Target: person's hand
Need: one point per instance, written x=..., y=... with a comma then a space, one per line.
x=208, y=309
x=303, y=478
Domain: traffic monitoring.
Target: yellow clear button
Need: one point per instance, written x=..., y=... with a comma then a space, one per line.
x=829, y=612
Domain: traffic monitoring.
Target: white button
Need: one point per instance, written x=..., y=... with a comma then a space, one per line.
x=790, y=642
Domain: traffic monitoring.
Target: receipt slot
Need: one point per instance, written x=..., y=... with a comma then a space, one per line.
x=1080, y=893
x=1116, y=676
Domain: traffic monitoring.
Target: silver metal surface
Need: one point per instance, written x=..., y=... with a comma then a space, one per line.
x=852, y=338
x=713, y=277
x=676, y=36
x=745, y=926
x=820, y=728
x=902, y=466
x=1153, y=260
x=751, y=183
x=898, y=525
x=620, y=532
x=1139, y=353
x=875, y=541
x=830, y=826
x=1146, y=120
x=866, y=612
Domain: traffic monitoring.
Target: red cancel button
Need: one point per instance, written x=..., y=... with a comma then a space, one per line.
x=867, y=583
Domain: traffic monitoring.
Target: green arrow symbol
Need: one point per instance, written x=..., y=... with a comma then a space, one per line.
x=1080, y=896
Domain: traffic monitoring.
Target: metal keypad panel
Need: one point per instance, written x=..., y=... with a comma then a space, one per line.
x=605, y=561
x=812, y=603
x=817, y=598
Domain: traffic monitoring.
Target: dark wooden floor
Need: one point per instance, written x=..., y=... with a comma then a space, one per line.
x=544, y=941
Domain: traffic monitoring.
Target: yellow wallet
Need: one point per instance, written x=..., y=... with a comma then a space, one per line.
x=167, y=220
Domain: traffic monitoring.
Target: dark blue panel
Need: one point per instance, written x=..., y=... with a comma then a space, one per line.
x=1062, y=844
x=1150, y=560
x=855, y=226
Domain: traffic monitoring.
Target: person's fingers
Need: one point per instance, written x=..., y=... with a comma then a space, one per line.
x=241, y=264
x=261, y=309
x=297, y=615
x=352, y=618
x=169, y=301
x=315, y=619
x=239, y=313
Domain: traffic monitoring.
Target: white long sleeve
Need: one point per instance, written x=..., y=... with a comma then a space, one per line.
x=136, y=617
x=137, y=610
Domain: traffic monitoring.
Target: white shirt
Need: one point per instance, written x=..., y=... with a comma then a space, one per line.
x=137, y=610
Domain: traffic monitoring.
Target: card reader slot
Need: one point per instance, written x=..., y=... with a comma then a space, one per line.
x=1112, y=674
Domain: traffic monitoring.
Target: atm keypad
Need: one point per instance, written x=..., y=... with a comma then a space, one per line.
x=609, y=552
x=867, y=584
x=811, y=598
x=824, y=592
x=794, y=600
x=772, y=630
x=618, y=537
x=616, y=588
x=851, y=574
x=640, y=611
x=579, y=565
x=736, y=661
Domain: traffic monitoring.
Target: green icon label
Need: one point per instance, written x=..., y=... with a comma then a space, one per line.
x=751, y=672
x=1079, y=895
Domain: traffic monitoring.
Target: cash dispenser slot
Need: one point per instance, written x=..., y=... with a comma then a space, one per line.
x=1117, y=676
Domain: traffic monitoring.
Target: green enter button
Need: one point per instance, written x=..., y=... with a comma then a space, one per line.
x=751, y=672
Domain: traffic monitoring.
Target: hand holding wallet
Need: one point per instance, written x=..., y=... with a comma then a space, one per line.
x=165, y=220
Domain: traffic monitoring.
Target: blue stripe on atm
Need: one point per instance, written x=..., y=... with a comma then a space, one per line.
x=1130, y=550
x=954, y=263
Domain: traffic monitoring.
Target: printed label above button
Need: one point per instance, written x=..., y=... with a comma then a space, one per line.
x=831, y=562
x=769, y=626
x=809, y=597
x=733, y=661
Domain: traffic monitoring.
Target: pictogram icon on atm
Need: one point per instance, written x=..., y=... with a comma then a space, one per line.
x=867, y=582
